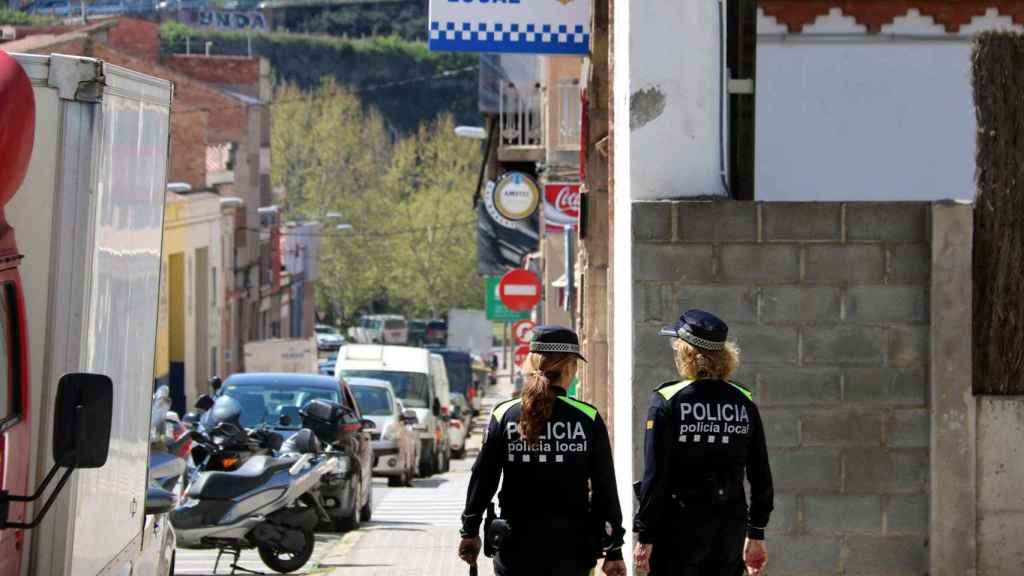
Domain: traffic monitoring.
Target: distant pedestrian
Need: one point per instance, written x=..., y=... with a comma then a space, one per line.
x=559, y=505
x=702, y=435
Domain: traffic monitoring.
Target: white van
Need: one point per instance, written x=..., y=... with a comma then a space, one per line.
x=413, y=376
x=381, y=329
x=443, y=390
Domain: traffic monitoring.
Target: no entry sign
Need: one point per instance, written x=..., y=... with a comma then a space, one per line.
x=520, y=355
x=519, y=289
x=521, y=331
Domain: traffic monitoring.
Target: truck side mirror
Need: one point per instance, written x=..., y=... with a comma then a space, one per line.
x=81, y=438
x=436, y=408
x=81, y=420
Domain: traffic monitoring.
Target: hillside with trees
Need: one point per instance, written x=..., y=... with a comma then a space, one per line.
x=401, y=79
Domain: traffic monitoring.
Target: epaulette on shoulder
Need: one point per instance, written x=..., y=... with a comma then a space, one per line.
x=664, y=384
x=502, y=407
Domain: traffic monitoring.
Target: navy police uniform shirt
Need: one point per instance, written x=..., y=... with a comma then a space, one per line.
x=700, y=439
x=556, y=490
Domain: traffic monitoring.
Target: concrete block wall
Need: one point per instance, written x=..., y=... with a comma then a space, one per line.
x=829, y=303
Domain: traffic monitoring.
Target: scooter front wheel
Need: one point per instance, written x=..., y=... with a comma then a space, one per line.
x=283, y=561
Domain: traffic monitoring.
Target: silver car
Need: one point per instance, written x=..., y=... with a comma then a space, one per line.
x=395, y=443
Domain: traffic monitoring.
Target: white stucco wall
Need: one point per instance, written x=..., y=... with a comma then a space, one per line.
x=864, y=119
x=674, y=99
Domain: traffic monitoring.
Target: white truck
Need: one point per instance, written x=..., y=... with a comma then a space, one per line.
x=282, y=355
x=470, y=331
x=88, y=218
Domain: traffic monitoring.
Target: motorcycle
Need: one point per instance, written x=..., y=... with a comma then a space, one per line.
x=263, y=502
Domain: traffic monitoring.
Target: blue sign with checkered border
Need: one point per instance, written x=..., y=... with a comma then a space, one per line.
x=510, y=26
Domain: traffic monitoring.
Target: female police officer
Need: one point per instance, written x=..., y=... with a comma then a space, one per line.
x=558, y=499
x=701, y=435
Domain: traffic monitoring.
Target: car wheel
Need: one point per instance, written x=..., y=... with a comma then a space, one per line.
x=396, y=481
x=427, y=461
x=173, y=557
x=366, y=512
x=351, y=522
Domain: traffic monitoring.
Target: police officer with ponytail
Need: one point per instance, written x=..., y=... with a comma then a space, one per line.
x=703, y=435
x=559, y=505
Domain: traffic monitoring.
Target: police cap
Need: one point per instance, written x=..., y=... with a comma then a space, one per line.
x=551, y=338
x=699, y=328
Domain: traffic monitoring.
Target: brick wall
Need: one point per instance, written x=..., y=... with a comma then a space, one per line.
x=231, y=70
x=138, y=38
x=829, y=303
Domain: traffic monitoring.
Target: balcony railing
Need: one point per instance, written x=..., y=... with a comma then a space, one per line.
x=520, y=117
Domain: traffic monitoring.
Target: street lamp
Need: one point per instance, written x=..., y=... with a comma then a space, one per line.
x=179, y=187
x=472, y=132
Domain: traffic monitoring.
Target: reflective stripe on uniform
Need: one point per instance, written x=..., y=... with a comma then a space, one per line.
x=747, y=393
x=500, y=409
x=669, y=391
x=582, y=406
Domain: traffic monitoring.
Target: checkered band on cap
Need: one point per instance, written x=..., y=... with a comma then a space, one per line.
x=695, y=340
x=554, y=347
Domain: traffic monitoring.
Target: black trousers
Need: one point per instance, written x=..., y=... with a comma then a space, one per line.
x=542, y=557
x=700, y=545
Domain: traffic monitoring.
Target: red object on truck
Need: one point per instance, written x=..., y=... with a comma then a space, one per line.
x=17, y=133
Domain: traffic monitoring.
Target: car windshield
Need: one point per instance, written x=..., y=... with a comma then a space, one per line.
x=373, y=400
x=394, y=324
x=267, y=403
x=411, y=387
x=325, y=330
x=460, y=373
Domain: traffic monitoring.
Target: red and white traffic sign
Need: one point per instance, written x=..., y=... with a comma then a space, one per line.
x=520, y=354
x=519, y=290
x=522, y=330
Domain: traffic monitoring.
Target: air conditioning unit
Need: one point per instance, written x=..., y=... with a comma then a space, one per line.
x=7, y=33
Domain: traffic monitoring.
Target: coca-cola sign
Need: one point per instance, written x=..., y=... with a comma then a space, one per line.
x=561, y=205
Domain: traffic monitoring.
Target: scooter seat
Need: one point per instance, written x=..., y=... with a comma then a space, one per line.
x=254, y=472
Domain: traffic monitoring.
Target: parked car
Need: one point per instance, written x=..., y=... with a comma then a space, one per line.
x=442, y=388
x=460, y=374
x=326, y=366
x=328, y=337
x=459, y=425
x=274, y=400
x=411, y=374
x=380, y=329
x=395, y=443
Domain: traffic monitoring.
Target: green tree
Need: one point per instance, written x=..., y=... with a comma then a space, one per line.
x=432, y=181
x=411, y=247
x=329, y=155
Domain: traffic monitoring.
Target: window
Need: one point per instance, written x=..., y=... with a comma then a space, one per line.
x=10, y=358
x=373, y=401
x=412, y=387
x=394, y=324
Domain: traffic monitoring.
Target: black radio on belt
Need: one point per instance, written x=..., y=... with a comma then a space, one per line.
x=496, y=532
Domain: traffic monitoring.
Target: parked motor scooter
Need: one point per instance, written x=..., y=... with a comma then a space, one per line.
x=264, y=502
